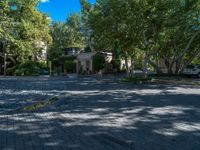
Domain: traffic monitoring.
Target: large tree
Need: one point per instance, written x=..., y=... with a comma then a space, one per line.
x=26, y=29
x=170, y=32
x=5, y=24
x=167, y=31
x=114, y=24
x=66, y=35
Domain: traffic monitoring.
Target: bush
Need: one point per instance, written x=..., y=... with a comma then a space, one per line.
x=28, y=68
x=42, y=65
x=116, y=64
x=136, y=79
x=69, y=66
x=98, y=62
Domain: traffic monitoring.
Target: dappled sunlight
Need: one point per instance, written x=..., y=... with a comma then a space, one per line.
x=169, y=110
x=52, y=143
x=166, y=132
x=87, y=114
x=185, y=90
x=177, y=128
x=133, y=111
x=187, y=126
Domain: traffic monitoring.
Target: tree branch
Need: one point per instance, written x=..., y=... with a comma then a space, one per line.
x=188, y=44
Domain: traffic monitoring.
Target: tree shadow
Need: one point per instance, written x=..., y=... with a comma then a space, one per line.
x=107, y=115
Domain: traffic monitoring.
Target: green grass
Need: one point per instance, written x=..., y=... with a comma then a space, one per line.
x=38, y=105
x=136, y=79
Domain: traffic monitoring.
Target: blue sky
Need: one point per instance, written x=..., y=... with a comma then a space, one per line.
x=59, y=9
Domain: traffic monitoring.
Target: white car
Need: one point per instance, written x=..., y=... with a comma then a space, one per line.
x=192, y=70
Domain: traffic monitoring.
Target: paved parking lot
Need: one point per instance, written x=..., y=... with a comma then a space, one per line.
x=98, y=114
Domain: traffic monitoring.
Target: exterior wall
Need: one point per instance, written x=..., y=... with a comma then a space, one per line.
x=73, y=51
x=84, y=60
x=108, y=56
x=123, y=63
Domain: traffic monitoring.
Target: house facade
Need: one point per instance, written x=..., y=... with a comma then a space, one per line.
x=84, y=61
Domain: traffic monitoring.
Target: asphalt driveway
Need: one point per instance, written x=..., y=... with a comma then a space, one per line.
x=98, y=114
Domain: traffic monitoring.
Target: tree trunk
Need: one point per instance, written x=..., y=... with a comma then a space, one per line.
x=177, y=67
x=5, y=57
x=126, y=63
x=183, y=64
x=146, y=63
x=170, y=68
x=156, y=67
x=132, y=67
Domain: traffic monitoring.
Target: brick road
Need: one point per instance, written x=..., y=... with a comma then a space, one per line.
x=98, y=114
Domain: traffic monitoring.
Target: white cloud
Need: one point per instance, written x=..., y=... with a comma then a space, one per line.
x=44, y=1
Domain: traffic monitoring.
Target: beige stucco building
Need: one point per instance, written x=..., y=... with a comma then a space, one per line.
x=84, y=61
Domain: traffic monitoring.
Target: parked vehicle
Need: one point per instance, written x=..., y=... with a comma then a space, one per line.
x=44, y=72
x=192, y=70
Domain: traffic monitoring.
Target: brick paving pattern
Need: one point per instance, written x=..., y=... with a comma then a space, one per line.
x=98, y=114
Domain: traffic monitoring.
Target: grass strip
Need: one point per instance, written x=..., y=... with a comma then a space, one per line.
x=38, y=105
x=136, y=79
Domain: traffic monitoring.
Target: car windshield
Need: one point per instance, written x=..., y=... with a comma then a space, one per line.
x=190, y=67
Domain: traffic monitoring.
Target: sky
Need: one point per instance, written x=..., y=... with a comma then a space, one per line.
x=58, y=10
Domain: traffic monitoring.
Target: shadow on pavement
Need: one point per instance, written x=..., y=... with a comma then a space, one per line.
x=100, y=114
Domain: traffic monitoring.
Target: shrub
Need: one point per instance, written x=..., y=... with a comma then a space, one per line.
x=98, y=62
x=116, y=64
x=136, y=79
x=28, y=68
x=69, y=66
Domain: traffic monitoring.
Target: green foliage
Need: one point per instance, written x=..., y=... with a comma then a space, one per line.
x=5, y=21
x=38, y=105
x=114, y=24
x=196, y=60
x=136, y=79
x=28, y=68
x=66, y=35
x=98, y=62
x=116, y=63
x=41, y=65
x=24, y=30
x=164, y=30
x=69, y=65
x=138, y=59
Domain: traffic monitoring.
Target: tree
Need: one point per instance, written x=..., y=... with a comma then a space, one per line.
x=170, y=32
x=164, y=30
x=5, y=32
x=5, y=20
x=74, y=35
x=66, y=35
x=113, y=22
x=24, y=29
x=59, y=43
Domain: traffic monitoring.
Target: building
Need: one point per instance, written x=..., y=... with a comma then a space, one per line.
x=84, y=61
x=69, y=54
